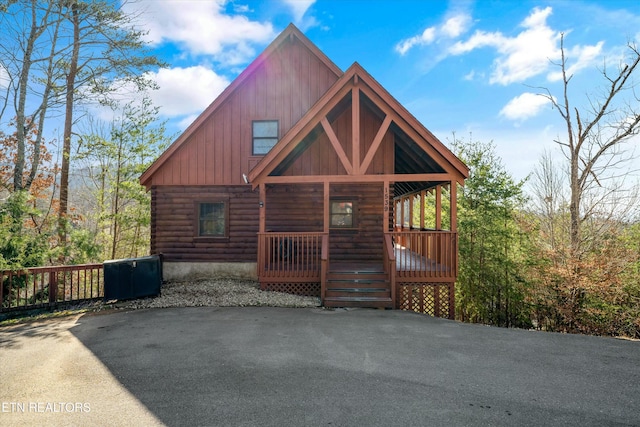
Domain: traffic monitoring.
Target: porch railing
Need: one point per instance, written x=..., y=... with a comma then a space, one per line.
x=290, y=256
x=430, y=255
x=45, y=286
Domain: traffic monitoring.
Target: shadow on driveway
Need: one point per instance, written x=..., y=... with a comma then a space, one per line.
x=276, y=366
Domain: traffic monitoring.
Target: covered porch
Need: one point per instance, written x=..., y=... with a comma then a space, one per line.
x=409, y=261
x=358, y=205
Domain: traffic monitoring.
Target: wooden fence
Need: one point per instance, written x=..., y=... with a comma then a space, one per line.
x=39, y=287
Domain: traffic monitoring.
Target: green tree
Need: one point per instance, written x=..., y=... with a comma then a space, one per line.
x=494, y=251
x=113, y=161
x=22, y=244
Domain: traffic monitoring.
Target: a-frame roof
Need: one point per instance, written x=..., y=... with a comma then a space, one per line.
x=289, y=32
x=395, y=112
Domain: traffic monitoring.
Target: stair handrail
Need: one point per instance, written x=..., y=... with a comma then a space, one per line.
x=390, y=261
x=324, y=265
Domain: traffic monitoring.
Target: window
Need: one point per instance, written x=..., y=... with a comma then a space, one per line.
x=342, y=214
x=265, y=136
x=212, y=219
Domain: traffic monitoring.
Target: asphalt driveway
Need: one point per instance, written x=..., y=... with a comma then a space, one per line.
x=309, y=367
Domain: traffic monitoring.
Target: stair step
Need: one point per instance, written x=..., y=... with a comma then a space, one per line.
x=351, y=276
x=357, y=293
x=365, y=302
x=344, y=283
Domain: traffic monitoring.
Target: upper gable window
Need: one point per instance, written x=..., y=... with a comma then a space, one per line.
x=265, y=136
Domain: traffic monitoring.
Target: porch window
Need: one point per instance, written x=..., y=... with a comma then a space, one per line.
x=342, y=214
x=212, y=219
x=265, y=136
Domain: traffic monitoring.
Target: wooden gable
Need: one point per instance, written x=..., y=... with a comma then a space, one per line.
x=387, y=144
x=281, y=84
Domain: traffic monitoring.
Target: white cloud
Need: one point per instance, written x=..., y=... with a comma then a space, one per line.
x=200, y=27
x=456, y=25
x=520, y=57
x=530, y=53
x=186, y=90
x=585, y=56
x=427, y=37
x=182, y=94
x=524, y=106
x=299, y=8
x=450, y=28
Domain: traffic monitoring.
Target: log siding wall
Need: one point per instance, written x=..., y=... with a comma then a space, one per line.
x=174, y=224
x=365, y=242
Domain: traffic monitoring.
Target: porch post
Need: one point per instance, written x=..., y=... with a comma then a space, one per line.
x=263, y=208
x=386, y=204
x=453, y=204
x=438, y=207
x=422, y=207
x=453, y=191
x=325, y=240
x=326, y=206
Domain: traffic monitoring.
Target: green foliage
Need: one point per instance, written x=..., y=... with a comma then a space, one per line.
x=114, y=161
x=494, y=250
x=21, y=244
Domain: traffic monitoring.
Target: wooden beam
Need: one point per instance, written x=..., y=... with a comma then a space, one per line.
x=336, y=145
x=355, y=129
x=411, y=200
x=375, y=144
x=263, y=208
x=439, y=207
x=453, y=203
x=299, y=179
x=386, y=203
x=326, y=201
x=422, y=207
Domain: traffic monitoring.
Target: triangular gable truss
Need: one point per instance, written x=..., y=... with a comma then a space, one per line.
x=355, y=81
x=289, y=32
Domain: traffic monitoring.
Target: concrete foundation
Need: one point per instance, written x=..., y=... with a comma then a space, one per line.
x=179, y=271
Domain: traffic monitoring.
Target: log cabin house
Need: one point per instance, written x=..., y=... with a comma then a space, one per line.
x=313, y=181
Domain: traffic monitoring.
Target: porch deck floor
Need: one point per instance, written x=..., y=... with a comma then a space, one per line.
x=408, y=260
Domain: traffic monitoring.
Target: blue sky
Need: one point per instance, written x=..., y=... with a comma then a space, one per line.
x=470, y=67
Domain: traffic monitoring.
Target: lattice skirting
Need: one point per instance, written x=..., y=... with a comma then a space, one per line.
x=431, y=298
x=304, y=289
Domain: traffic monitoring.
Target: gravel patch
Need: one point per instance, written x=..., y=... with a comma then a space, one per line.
x=218, y=293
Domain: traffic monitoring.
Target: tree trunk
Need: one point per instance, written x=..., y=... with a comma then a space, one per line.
x=21, y=119
x=68, y=124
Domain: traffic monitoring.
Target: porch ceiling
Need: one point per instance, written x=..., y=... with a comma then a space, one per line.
x=411, y=159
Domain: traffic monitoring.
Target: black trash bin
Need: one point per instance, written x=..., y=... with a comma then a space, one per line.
x=132, y=278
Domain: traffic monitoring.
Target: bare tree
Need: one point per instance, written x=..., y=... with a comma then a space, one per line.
x=106, y=53
x=597, y=142
x=547, y=184
x=28, y=56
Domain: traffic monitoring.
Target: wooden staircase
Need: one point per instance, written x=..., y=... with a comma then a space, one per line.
x=358, y=287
